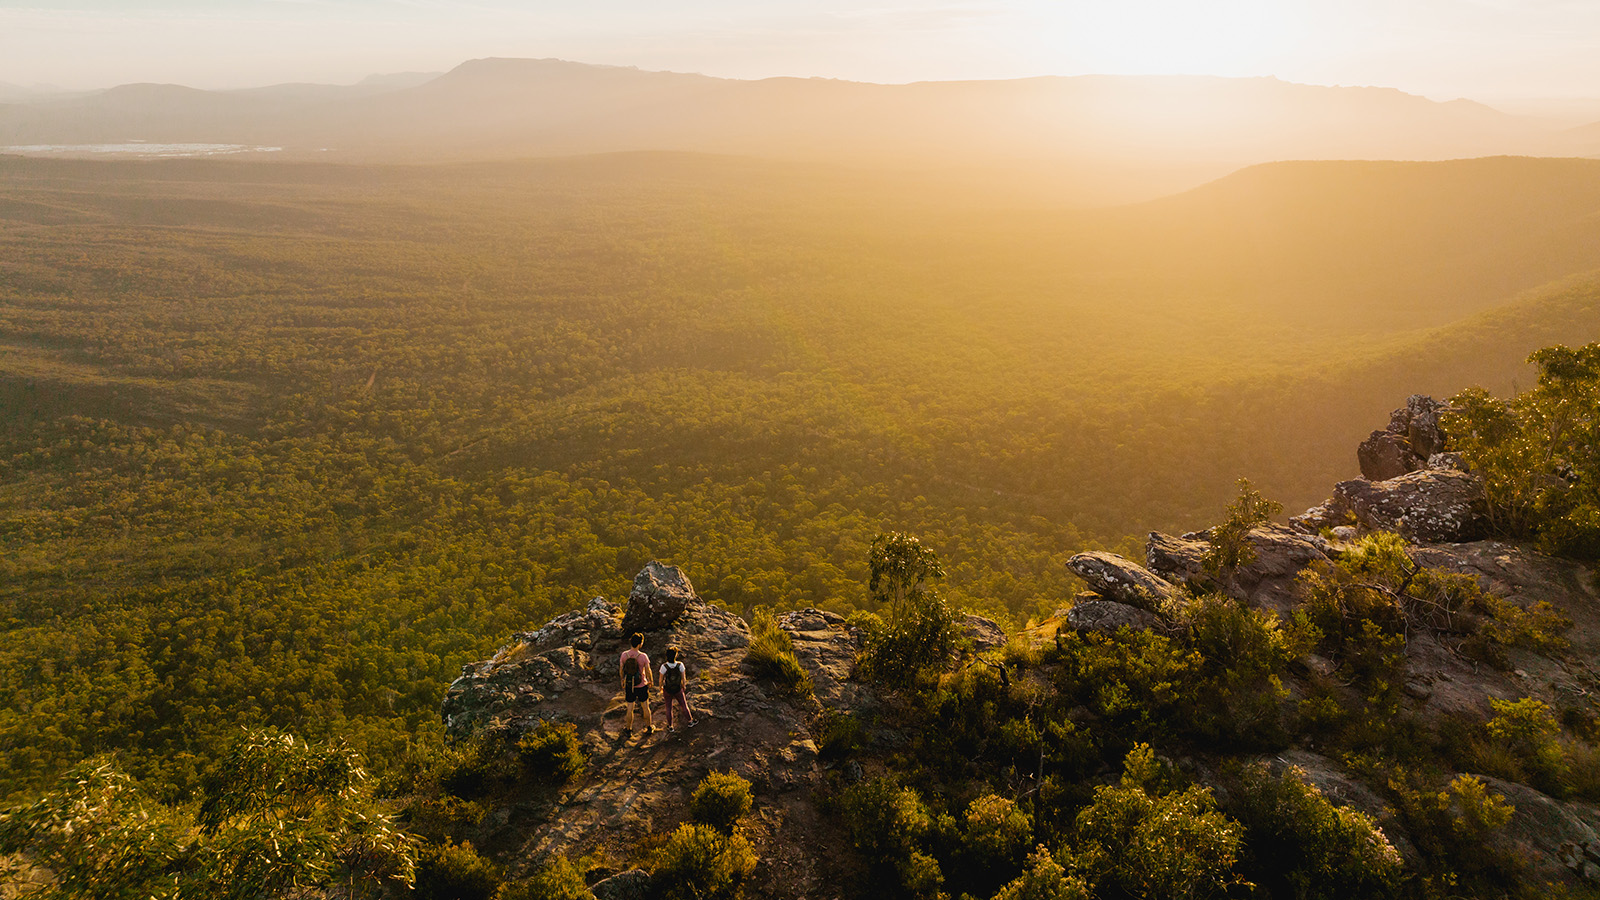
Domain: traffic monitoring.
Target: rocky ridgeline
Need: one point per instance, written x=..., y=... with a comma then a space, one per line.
x=1414, y=486
x=633, y=787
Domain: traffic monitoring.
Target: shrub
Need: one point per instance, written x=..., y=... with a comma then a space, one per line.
x=720, y=800
x=895, y=833
x=996, y=836
x=1044, y=879
x=1526, y=732
x=1230, y=548
x=452, y=871
x=557, y=879
x=838, y=734
x=771, y=656
x=551, y=753
x=698, y=862
x=1139, y=845
x=1301, y=846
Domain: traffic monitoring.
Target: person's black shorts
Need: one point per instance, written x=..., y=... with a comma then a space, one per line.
x=636, y=693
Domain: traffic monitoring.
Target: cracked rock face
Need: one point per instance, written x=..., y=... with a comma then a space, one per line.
x=1267, y=581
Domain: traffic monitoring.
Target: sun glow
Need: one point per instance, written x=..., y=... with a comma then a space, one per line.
x=1173, y=37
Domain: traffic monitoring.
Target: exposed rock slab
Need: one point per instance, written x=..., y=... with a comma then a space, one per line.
x=1122, y=580
x=633, y=884
x=1431, y=505
x=660, y=594
x=1559, y=841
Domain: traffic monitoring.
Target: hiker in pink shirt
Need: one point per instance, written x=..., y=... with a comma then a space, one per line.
x=635, y=670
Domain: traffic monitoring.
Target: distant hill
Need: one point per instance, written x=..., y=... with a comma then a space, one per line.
x=1095, y=137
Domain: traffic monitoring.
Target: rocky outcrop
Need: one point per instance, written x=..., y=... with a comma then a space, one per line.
x=633, y=884
x=1384, y=455
x=1431, y=505
x=1413, y=435
x=660, y=594
x=1267, y=581
x=637, y=785
x=1109, y=616
x=1122, y=580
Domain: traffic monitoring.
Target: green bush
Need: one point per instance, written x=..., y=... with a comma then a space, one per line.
x=996, y=836
x=698, y=862
x=1301, y=846
x=1526, y=734
x=452, y=871
x=895, y=833
x=1539, y=453
x=557, y=879
x=1044, y=879
x=551, y=753
x=720, y=800
x=771, y=656
x=839, y=734
x=1135, y=844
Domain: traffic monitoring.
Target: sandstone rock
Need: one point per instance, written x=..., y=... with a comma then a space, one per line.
x=1175, y=558
x=1331, y=514
x=1421, y=425
x=1268, y=580
x=1432, y=505
x=983, y=633
x=1384, y=455
x=1122, y=580
x=1109, y=615
x=660, y=595
x=633, y=884
x=1554, y=838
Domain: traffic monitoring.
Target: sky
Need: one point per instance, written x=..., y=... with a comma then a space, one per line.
x=1482, y=49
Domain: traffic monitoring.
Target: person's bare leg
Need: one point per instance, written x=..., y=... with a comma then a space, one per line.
x=649, y=725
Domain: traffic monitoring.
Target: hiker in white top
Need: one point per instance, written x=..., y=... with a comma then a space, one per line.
x=635, y=666
x=673, y=676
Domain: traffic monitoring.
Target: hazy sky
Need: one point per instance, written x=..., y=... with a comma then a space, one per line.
x=1442, y=48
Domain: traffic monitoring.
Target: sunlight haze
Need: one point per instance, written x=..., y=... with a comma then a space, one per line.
x=1512, y=49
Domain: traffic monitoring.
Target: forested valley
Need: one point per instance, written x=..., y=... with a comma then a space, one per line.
x=289, y=444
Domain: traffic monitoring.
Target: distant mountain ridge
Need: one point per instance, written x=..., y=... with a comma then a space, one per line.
x=1175, y=130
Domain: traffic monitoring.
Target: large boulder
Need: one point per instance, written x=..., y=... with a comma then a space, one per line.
x=1122, y=580
x=659, y=596
x=1109, y=616
x=1431, y=505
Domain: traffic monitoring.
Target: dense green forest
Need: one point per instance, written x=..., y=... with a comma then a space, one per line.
x=288, y=444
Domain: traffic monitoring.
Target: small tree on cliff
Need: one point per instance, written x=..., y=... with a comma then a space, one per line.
x=920, y=628
x=1230, y=541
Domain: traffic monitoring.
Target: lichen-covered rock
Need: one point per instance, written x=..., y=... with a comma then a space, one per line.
x=659, y=596
x=1431, y=505
x=633, y=884
x=1122, y=580
x=1384, y=455
x=1109, y=616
